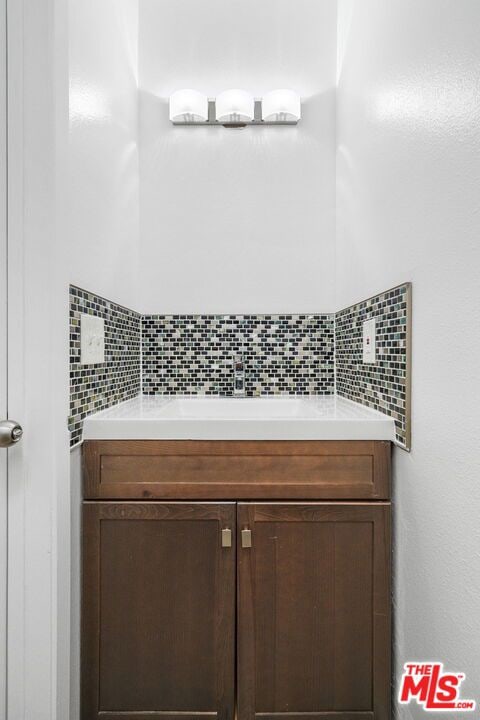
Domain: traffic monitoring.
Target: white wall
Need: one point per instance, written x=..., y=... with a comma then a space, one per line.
x=103, y=226
x=408, y=209
x=101, y=193
x=237, y=220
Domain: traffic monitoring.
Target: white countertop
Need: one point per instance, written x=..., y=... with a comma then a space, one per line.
x=266, y=418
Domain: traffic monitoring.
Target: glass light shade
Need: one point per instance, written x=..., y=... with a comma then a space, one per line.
x=188, y=106
x=235, y=106
x=281, y=106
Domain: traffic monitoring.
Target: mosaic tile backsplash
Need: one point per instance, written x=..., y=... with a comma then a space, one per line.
x=283, y=354
x=99, y=386
x=193, y=354
x=385, y=385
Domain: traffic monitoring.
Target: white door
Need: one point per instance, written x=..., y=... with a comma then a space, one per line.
x=34, y=474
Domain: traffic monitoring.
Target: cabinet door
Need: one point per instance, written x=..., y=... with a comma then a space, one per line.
x=158, y=611
x=314, y=611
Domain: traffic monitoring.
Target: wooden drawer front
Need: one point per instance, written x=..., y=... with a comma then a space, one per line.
x=236, y=470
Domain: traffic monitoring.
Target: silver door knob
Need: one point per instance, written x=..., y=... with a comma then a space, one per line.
x=10, y=433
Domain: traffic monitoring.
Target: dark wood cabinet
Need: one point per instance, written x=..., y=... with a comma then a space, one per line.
x=215, y=609
x=158, y=611
x=313, y=611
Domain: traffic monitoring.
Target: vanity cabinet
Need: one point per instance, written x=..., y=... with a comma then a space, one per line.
x=236, y=606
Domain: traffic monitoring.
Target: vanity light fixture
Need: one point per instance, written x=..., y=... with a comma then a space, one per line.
x=188, y=106
x=235, y=108
x=281, y=106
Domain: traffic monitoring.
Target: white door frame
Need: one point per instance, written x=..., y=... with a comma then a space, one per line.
x=38, y=482
x=3, y=356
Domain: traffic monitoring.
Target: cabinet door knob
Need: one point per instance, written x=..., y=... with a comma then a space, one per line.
x=226, y=538
x=246, y=538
